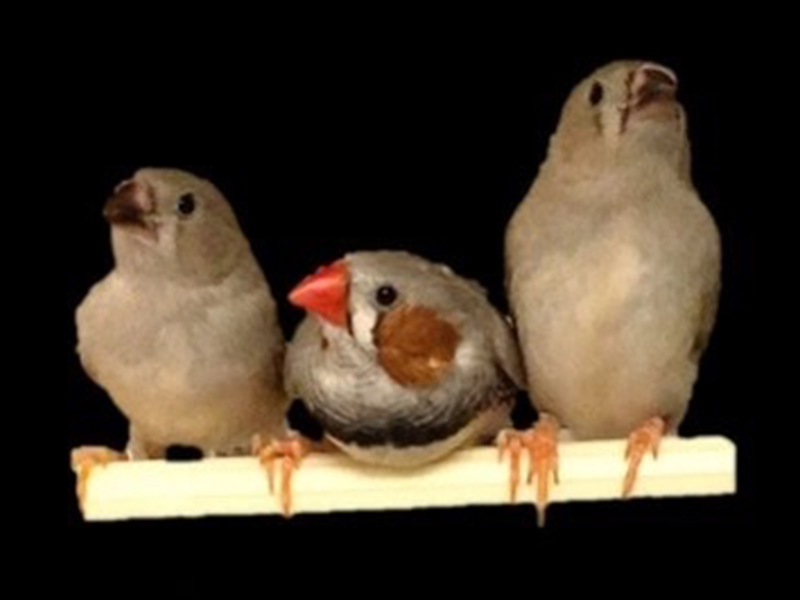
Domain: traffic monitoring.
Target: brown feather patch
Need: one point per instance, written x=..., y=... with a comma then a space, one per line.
x=415, y=346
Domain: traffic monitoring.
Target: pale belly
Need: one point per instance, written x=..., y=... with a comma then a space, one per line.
x=168, y=409
x=602, y=354
x=179, y=380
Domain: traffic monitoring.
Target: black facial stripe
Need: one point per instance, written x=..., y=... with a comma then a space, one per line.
x=380, y=317
x=598, y=122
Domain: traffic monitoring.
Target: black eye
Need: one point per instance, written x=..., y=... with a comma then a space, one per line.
x=596, y=95
x=187, y=204
x=386, y=295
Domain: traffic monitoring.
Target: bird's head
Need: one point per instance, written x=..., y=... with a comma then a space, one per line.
x=623, y=110
x=397, y=308
x=170, y=221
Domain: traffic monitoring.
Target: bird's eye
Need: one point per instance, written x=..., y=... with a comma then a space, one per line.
x=596, y=95
x=187, y=204
x=386, y=295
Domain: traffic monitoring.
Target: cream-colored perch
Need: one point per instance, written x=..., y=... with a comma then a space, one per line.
x=237, y=486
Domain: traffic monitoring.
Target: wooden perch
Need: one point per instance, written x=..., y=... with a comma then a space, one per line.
x=332, y=482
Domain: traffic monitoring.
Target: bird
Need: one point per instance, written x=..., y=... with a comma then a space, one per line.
x=183, y=333
x=612, y=271
x=400, y=360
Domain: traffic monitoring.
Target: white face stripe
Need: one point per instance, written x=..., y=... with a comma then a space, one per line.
x=363, y=319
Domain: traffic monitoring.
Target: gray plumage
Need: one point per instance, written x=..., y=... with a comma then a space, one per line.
x=374, y=417
x=613, y=262
x=183, y=333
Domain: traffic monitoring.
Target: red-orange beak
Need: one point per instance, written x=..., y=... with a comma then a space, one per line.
x=325, y=293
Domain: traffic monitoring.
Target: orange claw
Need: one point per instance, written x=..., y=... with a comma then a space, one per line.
x=511, y=442
x=541, y=442
x=85, y=459
x=543, y=449
x=292, y=450
x=645, y=438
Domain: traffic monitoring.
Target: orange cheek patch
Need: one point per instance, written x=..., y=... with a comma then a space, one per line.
x=415, y=346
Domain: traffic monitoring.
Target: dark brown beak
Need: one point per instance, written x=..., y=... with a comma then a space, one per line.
x=129, y=205
x=653, y=83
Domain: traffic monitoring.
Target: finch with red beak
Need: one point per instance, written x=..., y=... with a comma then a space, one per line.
x=400, y=360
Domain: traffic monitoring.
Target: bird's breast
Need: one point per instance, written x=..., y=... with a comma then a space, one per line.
x=370, y=410
x=424, y=449
x=608, y=283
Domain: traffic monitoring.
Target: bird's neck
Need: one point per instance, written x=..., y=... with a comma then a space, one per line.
x=139, y=258
x=135, y=255
x=625, y=167
x=342, y=350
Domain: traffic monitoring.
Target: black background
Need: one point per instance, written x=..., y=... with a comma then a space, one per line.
x=333, y=151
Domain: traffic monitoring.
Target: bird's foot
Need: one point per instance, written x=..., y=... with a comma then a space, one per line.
x=85, y=459
x=513, y=442
x=541, y=444
x=643, y=440
x=291, y=450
